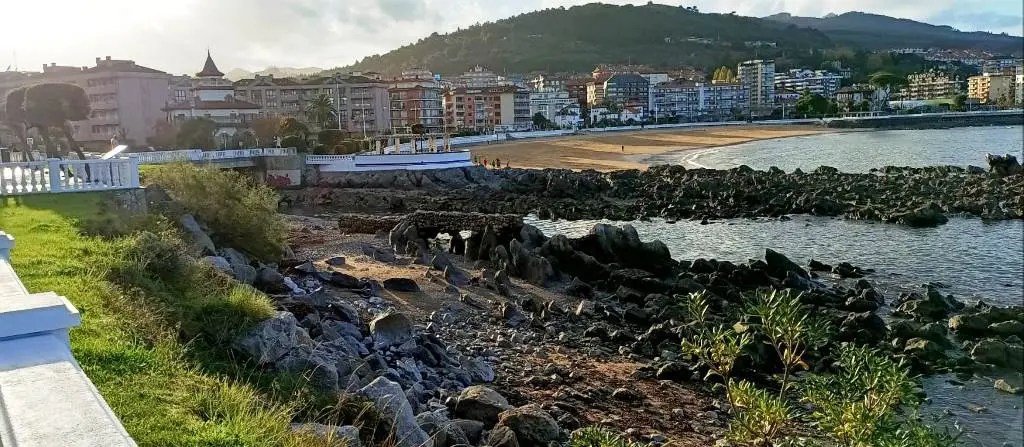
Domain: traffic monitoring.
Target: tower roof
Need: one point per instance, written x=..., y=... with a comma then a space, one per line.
x=210, y=68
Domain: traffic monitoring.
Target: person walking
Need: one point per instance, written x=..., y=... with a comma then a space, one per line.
x=623, y=148
x=497, y=163
x=485, y=162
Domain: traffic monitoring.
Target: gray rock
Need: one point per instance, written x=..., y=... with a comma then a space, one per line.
x=478, y=369
x=270, y=280
x=390, y=401
x=502, y=437
x=401, y=285
x=480, y=403
x=472, y=429
x=348, y=434
x=443, y=432
x=532, y=237
x=219, y=263
x=235, y=257
x=533, y=426
x=391, y=328
x=243, y=273
x=273, y=338
x=333, y=330
x=199, y=236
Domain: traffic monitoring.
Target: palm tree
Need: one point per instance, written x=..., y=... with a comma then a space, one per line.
x=321, y=110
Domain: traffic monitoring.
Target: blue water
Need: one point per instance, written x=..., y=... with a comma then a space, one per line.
x=860, y=151
x=976, y=260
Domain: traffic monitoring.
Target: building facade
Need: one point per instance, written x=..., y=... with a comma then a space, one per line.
x=549, y=102
x=989, y=89
x=416, y=98
x=488, y=109
x=693, y=101
x=363, y=103
x=930, y=85
x=126, y=99
x=1019, y=85
x=208, y=95
x=627, y=90
x=477, y=77
x=819, y=82
x=758, y=76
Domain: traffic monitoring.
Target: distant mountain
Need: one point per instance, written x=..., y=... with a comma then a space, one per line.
x=873, y=31
x=278, y=72
x=580, y=37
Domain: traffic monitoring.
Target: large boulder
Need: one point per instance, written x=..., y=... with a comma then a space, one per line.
x=273, y=338
x=622, y=245
x=532, y=237
x=564, y=258
x=391, y=328
x=441, y=430
x=390, y=401
x=779, y=265
x=998, y=353
x=199, y=236
x=1003, y=165
x=401, y=285
x=532, y=426
x=480, y=403
x=534, y=269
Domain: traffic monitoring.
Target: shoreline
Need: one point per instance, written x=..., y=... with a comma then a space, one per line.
x=653, y=160
x=627, y=149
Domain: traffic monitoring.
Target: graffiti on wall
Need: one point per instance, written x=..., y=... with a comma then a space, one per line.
x=282, y=178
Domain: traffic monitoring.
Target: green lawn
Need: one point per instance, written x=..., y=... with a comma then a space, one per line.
x=138, y=343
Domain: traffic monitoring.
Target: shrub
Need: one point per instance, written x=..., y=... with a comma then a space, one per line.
x=330, y=137
x=238, y=211
x=296, y=141
x=598, y=437
x=322, y=149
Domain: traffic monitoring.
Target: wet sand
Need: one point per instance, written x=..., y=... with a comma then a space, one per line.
x=624, y=150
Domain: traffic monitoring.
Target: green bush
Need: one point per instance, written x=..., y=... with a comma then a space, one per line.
x=296, y=141
x=239, y=212
x=322, y=149
x=598, y=437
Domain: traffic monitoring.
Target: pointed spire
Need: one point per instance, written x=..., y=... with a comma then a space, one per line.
x=209, y=69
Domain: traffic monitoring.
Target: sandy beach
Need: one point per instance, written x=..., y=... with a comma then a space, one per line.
x=621, y=150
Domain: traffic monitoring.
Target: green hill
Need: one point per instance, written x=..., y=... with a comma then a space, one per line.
x=873, y=31
x=580, y=37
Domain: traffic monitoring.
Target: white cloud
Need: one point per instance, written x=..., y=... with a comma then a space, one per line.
x=254, y=34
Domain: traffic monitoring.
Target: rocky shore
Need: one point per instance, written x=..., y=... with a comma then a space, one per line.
x=919, y=197
x=509, y=337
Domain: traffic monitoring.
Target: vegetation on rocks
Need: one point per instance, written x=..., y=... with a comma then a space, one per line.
x=149, y=323
x=242, y=212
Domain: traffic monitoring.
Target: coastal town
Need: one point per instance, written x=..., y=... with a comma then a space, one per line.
x=587, y=225
x=148, y=108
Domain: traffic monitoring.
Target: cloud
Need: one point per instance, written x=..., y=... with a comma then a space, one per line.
x=254, y=34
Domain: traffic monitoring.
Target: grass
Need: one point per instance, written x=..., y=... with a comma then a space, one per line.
x=153, y=342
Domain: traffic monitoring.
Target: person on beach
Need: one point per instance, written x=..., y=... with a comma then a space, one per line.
x=497, y=163
x=485, y=162
x=623, y=148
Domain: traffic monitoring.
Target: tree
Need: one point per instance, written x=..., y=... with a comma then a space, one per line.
x=958, y=102
x=266, y=129
x=292, y=127
x=419, y=129
x=811, y=104
x=50, y=106
x=724, y=74
x=887, y=83
x=540, y=121
x=863, y=106
x=14, y=116
x=321, y=111
x=197, y=133
x=165, y=135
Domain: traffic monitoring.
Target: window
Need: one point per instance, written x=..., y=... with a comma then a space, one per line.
x=180, y=95
x=271, y=93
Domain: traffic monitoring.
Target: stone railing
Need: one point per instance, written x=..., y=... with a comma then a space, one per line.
x=198, y=155
x=56, y=176
x=45, y=397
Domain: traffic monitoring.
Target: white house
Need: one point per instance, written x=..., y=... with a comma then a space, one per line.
x=549, y=102
x=632, y=113
x=600, y=113
x=570, y=117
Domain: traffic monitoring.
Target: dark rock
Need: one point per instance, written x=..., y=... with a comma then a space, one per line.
x=924, y=350
x=401, y=285
x=999, y=353
x=341, y=280
x=626, y=394
x=533, y=427
x=866, y=328
x=472, y=429
x=502, y=437
x=480, y=403
x=336, y=261
x=779, y=265
x=579, y=289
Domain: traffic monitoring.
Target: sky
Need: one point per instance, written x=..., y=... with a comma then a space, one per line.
x=254, y=34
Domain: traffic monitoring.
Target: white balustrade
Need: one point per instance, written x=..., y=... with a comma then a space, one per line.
x=56, y=176
x=24, y=178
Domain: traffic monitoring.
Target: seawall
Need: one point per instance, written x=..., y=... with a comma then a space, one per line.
x=932, y=120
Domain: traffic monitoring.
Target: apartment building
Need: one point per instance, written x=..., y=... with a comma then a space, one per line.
x=549, y=102
x=124, y=97
x=363, y=103
x=477, y=77
x=488, y=109
x=693, y=101
x=989, y=88
x=417, y=98
x=930, y=85
x=819, y=82
x=758, y=76
x=627, y=90
x=577, y=88
x=1018, y=84
x=1000, y=66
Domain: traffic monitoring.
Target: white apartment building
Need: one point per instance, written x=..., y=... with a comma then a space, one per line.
x=691, y=101
x=758, y=76
x=549, y=102
x=1018, y=85
x=477, y=77
x=819, y=82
